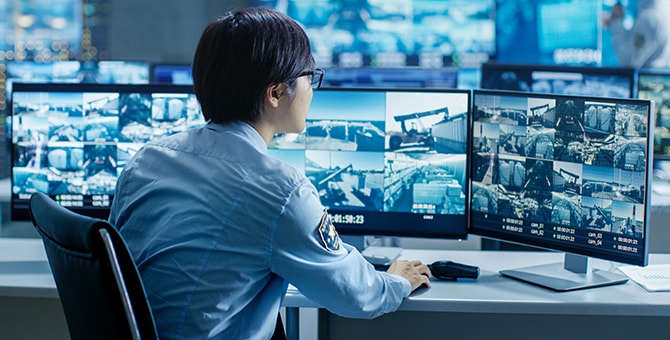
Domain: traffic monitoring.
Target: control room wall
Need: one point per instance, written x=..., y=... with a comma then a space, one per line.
x=161, y=31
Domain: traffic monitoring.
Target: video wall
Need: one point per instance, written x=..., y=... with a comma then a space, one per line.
x=382, y=33
x=557, y=32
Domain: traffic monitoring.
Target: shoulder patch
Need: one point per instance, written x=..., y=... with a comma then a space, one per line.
x=329, y=237
x=639, y=41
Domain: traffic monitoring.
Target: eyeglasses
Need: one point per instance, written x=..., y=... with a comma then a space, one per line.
x=315, y=77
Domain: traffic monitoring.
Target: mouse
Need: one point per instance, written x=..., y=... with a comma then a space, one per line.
x=449, y=270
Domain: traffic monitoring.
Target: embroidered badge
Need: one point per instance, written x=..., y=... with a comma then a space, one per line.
x=329, y=237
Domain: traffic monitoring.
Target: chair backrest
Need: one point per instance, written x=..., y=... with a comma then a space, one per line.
x=97, y=280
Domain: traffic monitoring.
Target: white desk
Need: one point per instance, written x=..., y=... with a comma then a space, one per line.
x=29, y=304
x=489, y=306
x=497, y=307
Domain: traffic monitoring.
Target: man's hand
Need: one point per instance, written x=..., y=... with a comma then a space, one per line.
x=415, y=272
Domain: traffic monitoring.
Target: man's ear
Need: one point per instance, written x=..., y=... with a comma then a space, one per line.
x=274, y=93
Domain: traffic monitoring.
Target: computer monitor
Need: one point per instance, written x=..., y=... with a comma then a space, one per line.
x=566, y=173
x=178, y=74
x=72, y=71
x=572, y=80
x=117, y=72
x=398, y=77
x=551, y=32
x=654, y=84
x=71, y=141
x=387, y=162
x=381, y=33
x=469, y=78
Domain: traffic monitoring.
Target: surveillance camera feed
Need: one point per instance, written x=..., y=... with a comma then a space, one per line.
x=386, y=162
x=72, y=71
x=178, y=74
x=71, y=141
x=567, y=173
x=655, y=85
x=572, y=80
x=405, y=77
x=382, y=33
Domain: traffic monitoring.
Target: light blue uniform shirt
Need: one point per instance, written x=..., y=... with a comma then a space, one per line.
x=218, y=228
x=647, y=43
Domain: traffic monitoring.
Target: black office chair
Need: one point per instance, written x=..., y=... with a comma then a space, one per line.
x=98, y=283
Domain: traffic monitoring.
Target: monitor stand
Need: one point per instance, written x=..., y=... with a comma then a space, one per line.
x=573, y=274
x=380, y=256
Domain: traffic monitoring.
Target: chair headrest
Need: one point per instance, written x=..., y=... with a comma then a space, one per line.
x=72, y=230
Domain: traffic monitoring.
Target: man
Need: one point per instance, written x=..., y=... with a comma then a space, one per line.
x=217, y=227
x=647, y=43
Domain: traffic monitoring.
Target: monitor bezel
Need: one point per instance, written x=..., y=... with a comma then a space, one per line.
x=640, y=260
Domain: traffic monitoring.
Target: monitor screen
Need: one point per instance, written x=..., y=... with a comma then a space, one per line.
x=567, y=173
x=655, y=85
x=381, y=33
x=552, y=32
x=469, y=78
x=386, y=162
x=571, y=80
x=72, y=71
x=178, y=74
x=400, y=77
x=117, y=72
x=71, y=141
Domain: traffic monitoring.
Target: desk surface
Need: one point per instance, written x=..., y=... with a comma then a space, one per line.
x=24, y=272
x=493, y=293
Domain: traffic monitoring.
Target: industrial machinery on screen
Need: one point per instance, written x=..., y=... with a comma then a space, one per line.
x=77, y=143
x=573, y=162
x=411, y=161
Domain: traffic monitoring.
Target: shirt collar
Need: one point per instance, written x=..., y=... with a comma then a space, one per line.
x=243, y=130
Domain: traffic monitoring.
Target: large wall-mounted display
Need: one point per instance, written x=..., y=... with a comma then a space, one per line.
x=382, y=33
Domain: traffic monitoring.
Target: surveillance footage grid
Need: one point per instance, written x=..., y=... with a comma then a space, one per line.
x=73, y=145
x=561, y=170
x=374, y=152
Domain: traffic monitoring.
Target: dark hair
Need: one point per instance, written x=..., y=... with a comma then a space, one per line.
x=242, y=53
